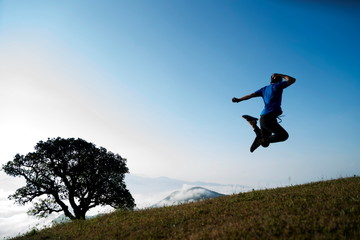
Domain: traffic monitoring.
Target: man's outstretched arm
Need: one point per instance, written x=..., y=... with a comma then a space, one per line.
x=244, y=98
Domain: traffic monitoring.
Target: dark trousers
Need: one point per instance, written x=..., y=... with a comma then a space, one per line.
x=271, y=131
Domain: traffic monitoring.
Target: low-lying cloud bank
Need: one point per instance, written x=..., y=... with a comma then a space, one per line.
x=14, y=219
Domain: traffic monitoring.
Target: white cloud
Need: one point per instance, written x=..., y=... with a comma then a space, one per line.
x=15, y=220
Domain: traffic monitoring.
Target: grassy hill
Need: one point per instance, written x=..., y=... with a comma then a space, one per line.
x=320, y=210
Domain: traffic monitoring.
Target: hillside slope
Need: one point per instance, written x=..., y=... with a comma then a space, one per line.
x=321, y=210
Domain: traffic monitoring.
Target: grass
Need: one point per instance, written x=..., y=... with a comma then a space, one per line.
x=320, y=210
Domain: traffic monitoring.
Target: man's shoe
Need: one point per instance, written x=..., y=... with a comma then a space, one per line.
x=249, y=118
x=255, y=144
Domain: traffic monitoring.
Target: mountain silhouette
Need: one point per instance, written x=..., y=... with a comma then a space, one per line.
x=187, y=195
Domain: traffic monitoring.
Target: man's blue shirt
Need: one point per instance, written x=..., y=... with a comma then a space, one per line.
x=272, y=95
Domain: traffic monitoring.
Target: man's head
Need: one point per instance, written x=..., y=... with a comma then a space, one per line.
x=275, y=78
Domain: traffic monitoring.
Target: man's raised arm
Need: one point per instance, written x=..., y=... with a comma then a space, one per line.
x=290, y=80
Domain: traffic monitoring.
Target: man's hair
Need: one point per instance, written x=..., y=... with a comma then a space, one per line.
x=276, y=79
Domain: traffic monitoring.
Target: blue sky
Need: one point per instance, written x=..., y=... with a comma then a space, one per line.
x=153, y=81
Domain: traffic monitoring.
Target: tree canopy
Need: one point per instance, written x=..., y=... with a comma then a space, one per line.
x=70, y=175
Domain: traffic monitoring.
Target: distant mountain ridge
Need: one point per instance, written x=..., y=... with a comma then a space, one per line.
x=148, y=191
x=193, y=194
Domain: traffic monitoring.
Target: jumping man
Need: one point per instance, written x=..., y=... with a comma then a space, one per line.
x=271, y=131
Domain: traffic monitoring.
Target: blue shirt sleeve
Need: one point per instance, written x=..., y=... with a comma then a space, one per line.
x=258, y=93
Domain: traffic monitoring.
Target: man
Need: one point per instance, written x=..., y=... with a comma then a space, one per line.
x=271, y=131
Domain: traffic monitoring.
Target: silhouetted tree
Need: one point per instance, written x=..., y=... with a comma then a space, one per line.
x=64, y=173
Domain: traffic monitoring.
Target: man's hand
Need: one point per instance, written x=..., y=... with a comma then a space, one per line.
x=244, y=98
x=278, y=75
x=235, y=100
